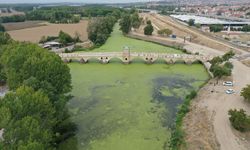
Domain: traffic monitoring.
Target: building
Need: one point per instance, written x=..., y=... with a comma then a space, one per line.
x=52, y=45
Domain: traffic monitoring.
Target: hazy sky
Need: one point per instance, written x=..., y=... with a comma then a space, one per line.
x=82, y=1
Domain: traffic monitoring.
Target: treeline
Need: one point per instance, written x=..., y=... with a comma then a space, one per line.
x=14, y=18
x=99, y=29
x=130, y=20
x=33, y=114
x=68, y=14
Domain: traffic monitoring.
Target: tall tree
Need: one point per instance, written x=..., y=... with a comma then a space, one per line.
x=28, y=118
x=33, y=66
x=125, y=24
x=149, y=29
x=136, y=20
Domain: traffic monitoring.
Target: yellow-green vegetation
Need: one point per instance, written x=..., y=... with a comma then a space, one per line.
x=117, y=41
x=121, y=107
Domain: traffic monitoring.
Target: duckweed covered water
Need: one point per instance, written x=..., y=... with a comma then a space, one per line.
x=128, y=107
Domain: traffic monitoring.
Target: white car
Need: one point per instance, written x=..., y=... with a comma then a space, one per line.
x=230, y=91
x=228, y=83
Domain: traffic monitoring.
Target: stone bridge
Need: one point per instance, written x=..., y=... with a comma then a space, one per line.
x=127, y=57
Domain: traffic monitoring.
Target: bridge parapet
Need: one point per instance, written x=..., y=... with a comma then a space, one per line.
x=104, y=57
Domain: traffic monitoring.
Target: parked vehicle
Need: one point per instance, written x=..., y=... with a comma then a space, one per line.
x=228, y=83
x=230, y=91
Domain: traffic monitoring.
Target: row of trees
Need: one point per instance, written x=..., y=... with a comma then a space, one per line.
x=129, y=21
x=99, y=29
x=14, y=18
x=33, y=115
x=68, y=14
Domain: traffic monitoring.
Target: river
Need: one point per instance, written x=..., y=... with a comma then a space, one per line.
x=128, y=107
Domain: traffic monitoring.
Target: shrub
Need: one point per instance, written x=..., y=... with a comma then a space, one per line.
x=246, y=93
x=191, y=22
x=215, y=28
x=149, y=29
x=239, y=120
x=165, y=32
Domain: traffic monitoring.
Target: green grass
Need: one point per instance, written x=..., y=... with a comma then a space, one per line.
x=117, y=41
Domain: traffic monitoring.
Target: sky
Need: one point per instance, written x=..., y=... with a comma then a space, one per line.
x=81, y=1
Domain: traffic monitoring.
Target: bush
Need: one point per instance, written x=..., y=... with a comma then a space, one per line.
x=191, y=22
x=215, y=28
x=239, y=120
x=246, y=93
x=228, y=55
x=65, y=38
x=246, y=28
x=149, y=29
x=165, y=32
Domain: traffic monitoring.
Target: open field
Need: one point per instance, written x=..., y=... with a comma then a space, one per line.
x=23, y=25
x=11, y=14
x=34, y=34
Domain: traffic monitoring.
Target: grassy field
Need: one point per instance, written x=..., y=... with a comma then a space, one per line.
x=117, y=41
x=34, y=34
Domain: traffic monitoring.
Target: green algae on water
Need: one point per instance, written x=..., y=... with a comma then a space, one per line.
x=128, y=107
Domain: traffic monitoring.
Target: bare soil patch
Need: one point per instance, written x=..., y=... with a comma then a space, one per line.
x=23, y=25
x=198, y=126
x=11, y=14
x=183, y=31
x=34, y=34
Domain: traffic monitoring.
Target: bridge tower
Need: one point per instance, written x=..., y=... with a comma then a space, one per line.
x=126, y=55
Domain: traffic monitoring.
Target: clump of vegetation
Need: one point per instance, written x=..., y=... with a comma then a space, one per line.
x=14, y=18
x=69, y=14
x=216, y=28
x=246, y=28
x=165, y=32
x=177, y=135
x=191, y=22
x=239, y=120
x=220, y=66
x=130, y=20
x=2, y=29
x=246, y=93
x=63, y=38
x=34, y=115
x=99, y=29
x=149, y=29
